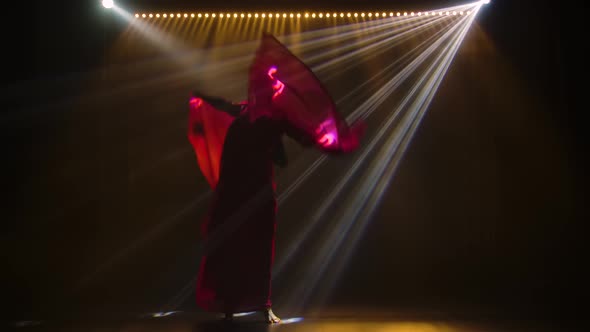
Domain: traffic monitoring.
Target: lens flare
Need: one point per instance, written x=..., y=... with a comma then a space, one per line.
x=107, y=4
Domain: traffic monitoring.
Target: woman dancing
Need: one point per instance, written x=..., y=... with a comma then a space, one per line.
x=236, y=145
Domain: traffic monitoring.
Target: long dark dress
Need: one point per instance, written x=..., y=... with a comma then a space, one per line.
x=240, y=231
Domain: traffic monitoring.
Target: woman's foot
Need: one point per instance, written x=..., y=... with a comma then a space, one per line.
x=270, y=317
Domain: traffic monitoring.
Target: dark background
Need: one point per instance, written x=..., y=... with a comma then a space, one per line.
x=486, y=209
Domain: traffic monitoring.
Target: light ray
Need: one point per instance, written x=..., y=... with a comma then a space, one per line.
x=333, y=243
x=362, y=111
x=395, y=152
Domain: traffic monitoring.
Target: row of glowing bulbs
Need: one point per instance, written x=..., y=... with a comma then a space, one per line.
x=306, y=15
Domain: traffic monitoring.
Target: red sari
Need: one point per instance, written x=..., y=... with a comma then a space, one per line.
x=236, y=156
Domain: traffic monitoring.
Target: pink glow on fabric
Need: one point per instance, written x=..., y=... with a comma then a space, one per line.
x=195, y=102
x=327, y=140
x=327, y=134
x=278, y=86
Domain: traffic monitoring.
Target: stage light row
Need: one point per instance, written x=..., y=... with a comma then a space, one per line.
x=299, y=15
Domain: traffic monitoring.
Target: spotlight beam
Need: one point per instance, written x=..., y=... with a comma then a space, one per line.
x=233, y=63
x=330, y=246
x=375, y=41
x=365, y=109
x=362, y=111
x=395, y=152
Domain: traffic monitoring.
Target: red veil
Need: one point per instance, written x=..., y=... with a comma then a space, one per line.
x=300, y=96
x=206, y=132
x=278, y=82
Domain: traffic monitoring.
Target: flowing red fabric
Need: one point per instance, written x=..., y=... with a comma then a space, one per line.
x=299, y=95
x=206, y=132
x=239, y=230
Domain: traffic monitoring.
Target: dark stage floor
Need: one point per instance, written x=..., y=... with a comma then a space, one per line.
x=324, y=322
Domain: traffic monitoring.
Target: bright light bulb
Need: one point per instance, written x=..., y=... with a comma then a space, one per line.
x=151, y=15
x=485, y=2
x=143, y=15
x=107, y=3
